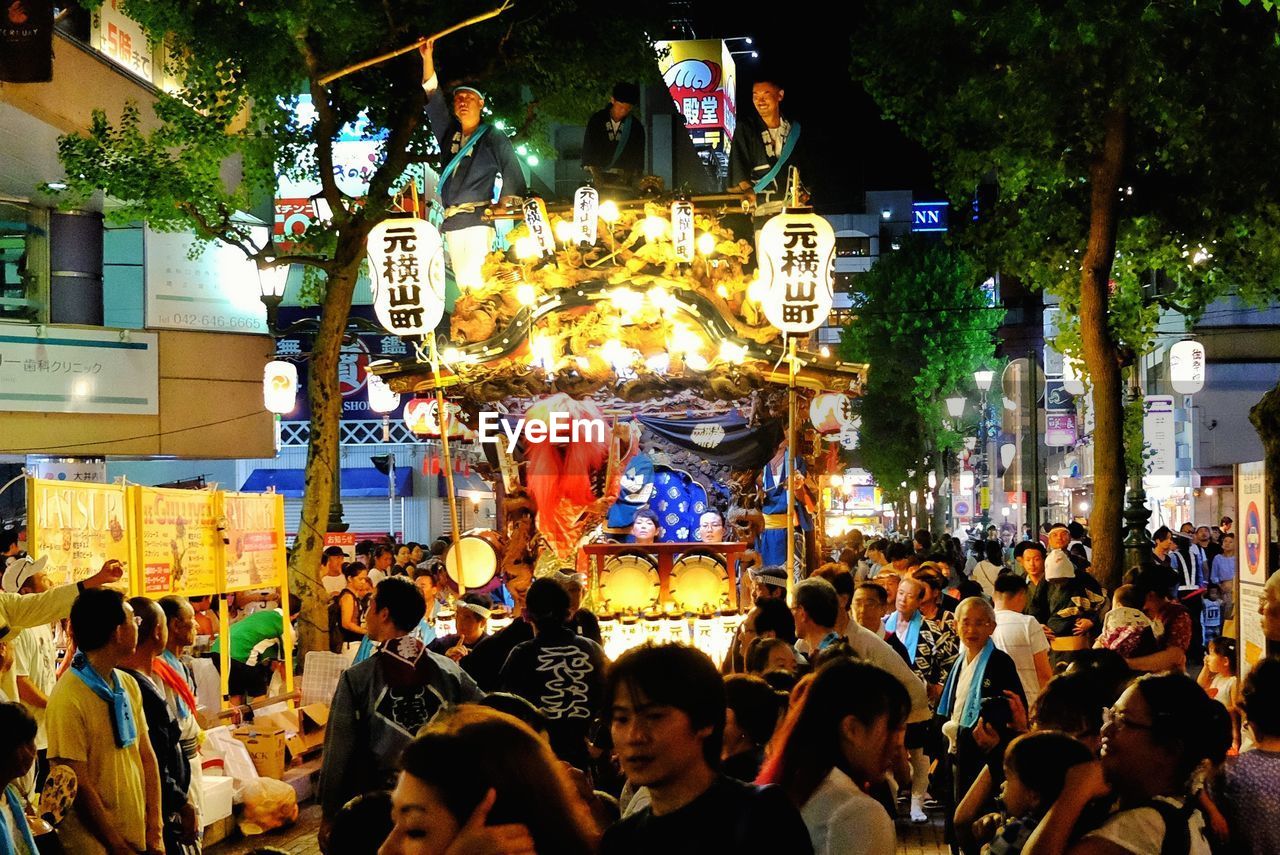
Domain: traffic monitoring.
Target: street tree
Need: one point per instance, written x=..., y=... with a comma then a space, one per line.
x=1122, y=138
x=923, y=323
x=219, y=143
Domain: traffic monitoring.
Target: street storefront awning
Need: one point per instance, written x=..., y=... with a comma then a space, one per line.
x=363, y=482
x=465, y=486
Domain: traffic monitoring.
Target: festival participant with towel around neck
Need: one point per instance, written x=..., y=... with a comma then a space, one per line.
x=476, y=156
x=97, y=727
x=764, y=149
x=613, y=144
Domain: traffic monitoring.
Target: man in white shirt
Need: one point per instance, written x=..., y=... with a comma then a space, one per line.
x=383, y=557
x=331, y=570
x=1021, y=635
x=34, y=662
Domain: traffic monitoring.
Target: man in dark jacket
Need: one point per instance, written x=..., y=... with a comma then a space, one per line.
x=613, y=145
x=765, y=149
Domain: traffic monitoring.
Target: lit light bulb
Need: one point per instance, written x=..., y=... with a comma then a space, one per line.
x=627, y=300
x=722, y=291
x=655, y=228
x=526, y=248
x=756, y=290
x=731, y=352
x=609, y=211
x=614, y=353
x=526, y=294
x=684, y=339
x=696, y=361
x=824, y=352
x=706, y=243
x=450, y=354
x=541, y=351
x=564, y=231
x=661, y=298
x=837, y=481
x=532, y=160
x=659, y=363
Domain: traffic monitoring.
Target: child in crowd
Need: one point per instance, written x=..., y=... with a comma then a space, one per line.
x=1218, y=675
x=1035, y=768
x=1126, y=629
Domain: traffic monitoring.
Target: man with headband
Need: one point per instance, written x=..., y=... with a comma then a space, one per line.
x=479, y=165
x=471, y=615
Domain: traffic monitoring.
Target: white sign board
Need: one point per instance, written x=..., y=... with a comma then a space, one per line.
x=1158, y=426
x=72, y=370
x=122, y=39
x=88, y=470
x=217, y=291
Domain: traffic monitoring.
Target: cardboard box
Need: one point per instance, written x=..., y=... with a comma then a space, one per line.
x=308, y=735
x=266, y=748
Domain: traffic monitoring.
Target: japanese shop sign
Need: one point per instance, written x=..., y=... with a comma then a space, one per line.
x=796, y=252
x=80, y=527
x=216, y=291
x=253, y=554
x=73, y=370
x=1158, y=432
x=178, y=541
x=406, y=264
x=701, y=77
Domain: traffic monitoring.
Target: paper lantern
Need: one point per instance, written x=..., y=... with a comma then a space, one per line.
x=406, y=265
x=830, y=412
x=539, y=225
x=280, y=387
x=1071, y=376
x=796, y=250
x=682, y=236
x=1186, y=367
x=586, y=215
x=381, y=398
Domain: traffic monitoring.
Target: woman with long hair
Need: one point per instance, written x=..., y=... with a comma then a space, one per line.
x=479, y=782
x=842, y=736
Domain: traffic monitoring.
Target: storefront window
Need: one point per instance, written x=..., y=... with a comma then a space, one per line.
x=22, y=245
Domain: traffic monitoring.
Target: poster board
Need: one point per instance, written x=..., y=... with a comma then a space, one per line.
x=253, y=551
x=1253, y=519
x=179, y=546
x=80, y=527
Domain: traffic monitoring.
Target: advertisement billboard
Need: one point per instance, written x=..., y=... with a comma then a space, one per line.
x=702, y=79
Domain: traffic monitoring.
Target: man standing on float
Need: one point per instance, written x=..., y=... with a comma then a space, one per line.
x=772, y=543
x=764, y=150
x=479, y=166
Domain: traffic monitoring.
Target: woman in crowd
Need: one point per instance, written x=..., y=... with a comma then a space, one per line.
x=352, y=603
x=751, y=716
x=17, y=753
x=1248, y=786
x=481, y=781
x=990, y=567
x=843, y=735
x=1155, y=737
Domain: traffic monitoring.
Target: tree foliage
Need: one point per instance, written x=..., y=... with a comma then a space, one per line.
x=923, y=323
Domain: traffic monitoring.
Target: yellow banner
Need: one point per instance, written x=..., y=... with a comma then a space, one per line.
x=254, y=555
x=80, y=527
x=178, y=541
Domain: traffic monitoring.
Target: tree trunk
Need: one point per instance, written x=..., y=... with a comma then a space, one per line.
x=1101, y=357
x=323, y=449
x=1265, y=416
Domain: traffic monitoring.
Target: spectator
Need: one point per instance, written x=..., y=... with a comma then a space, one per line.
x=935, y=604
x=770, y=654
x=889, y=579
x=842, y=580
x=485, y=661
x=1030, y=555
x=35, y=663
x=331, y=576
x=404, y=562
x=17, y=757
x=1154, y=585
x=558, y=671
x=382, y=558
x=351, y=604
x=986, y=571
x=1218, y=677
x=1035, y=770
x=428, y=581
x=1021, y=636
x=206, y=611
x=1248, y=786
x=922, y=541
x=1126, y=629
x=1222, y=574
x=769, y=619
x=173, y=668
x=256, y=645
x=843, y=736
x=667, y=711
x=768, y=583
x=97, y=728
x=1154, y=738
x=178, y=812
x=868, y=639
x=362, y=825
x=416, y=553
x=815, y=606
x=480, y=781
x=751, y=716
x=1066, y=606
x=583, y=621
x=875, y=559
x=1269, y=608
x=471, y=618
x=381, y=703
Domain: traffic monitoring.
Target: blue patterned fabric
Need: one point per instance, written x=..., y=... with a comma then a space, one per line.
x=678, y=501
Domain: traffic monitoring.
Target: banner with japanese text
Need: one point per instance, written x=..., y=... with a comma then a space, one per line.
x=253, y=554
x=79, y=527
x=178, y=541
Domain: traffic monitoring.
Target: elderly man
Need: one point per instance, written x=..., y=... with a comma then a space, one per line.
x=981, y=681
x=814, y=608
x=477, y=156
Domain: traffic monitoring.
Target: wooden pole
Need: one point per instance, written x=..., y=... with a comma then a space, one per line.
x=442, y=410
x=789, y=464
x=363, y=64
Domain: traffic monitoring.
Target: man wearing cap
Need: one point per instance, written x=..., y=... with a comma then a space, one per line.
x=479, y=164
x=331, y=577
x=35, y=659
x=613, y=145
x=1066, y=606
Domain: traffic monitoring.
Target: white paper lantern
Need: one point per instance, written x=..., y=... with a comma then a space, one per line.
x=406, y=266
x=830, y=412
x=539, y=225
x=381, y=398
x=586, y=215
x=1071, y=376
x=280, y=387
x=796, y=251
x=682, y=236
x=1186, y=367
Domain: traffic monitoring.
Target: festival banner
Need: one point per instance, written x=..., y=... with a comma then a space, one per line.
x=178, y=541
x=80, y=527
x=254, y=555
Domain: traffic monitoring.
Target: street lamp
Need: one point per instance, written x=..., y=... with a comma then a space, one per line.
x=272, y=279
x=982, y=379
x=955, y=406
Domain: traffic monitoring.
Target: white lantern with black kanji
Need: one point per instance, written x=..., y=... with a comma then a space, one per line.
x=682, y=236
x=830, y=412
x=406, y=265
x=1186, y=367
x=796, y=250
x=586, y=215
x=539, y=225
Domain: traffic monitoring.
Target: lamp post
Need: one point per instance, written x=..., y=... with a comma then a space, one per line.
x=982, y=379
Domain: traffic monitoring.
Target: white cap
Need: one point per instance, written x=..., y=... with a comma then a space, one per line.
x=20, y=570
x=1059, y=566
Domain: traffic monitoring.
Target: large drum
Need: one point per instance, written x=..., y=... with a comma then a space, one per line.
x=699, y=582
x=629, y=581
x=481, y=551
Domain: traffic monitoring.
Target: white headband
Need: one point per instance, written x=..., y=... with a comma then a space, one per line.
x=477, y=608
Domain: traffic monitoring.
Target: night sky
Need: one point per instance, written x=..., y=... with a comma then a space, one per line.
x=810, y=50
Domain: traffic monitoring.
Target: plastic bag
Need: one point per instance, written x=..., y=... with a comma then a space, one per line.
x=219, y=744
x=268, y=804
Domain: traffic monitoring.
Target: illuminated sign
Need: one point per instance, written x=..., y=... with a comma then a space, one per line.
x=929, y=217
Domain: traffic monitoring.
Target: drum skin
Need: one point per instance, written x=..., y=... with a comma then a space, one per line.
x=481, y=556
x=699, y=581
x=629, y=581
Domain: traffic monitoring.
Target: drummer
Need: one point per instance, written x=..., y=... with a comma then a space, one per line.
x=711, y=527
x=644, y=528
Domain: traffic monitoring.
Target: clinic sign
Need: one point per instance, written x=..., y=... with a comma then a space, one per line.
x=71, y=370
x=213, y=290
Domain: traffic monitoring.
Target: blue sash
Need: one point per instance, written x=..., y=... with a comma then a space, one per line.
x=912, y=641
x=122, y=723
x=787, y=148
x=624, y=134
x=462, y=152
x=21, y=830
x=973, y=699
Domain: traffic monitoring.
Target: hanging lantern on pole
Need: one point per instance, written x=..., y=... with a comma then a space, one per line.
x=382, y=400
x=280, y=387
x=539, y=225
x=1186, y=367
x=830, y=412
x=796, y=251
x=586, y=215
x=682, y=236
x=406, y=264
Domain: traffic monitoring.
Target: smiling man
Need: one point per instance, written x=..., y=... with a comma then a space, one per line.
x=667, y=715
